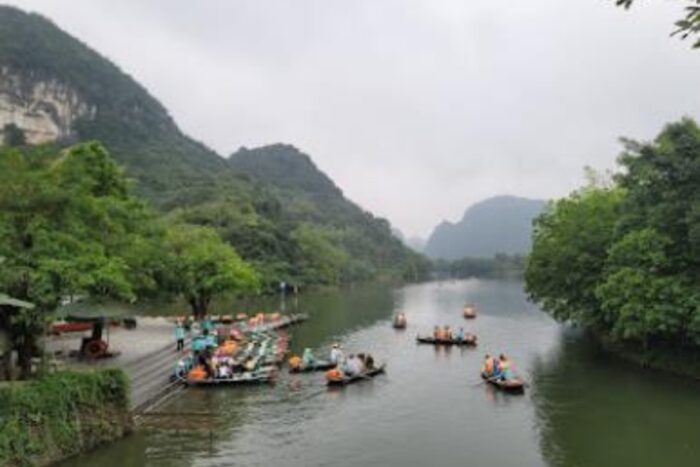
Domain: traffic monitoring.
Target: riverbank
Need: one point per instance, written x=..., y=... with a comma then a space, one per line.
x=60, y=415
x=679, y=361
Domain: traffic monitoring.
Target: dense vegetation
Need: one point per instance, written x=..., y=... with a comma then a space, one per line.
x=70, y=227
x=60, y=415
x=499, y=266
x=502, y=224
x=623, y=258
x=338, y=241
x=278, y=222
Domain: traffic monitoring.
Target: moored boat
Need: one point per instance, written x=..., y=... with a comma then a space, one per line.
x=345, y=380
x=469, y=340
x=399, y=321
x=469, y=311
x=514, y=385
x=245, y=378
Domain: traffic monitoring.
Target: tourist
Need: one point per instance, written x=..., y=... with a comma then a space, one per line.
x=437, y=333
x=460, y=335
x=179, y=336
x=447, y=333
x=496, y=373
x=308, y=357
x=360, y=363
x=506, y=372
x=349, y=366
x=336, y=354
x=488, y=366
x=295, y=362
x=369, y=362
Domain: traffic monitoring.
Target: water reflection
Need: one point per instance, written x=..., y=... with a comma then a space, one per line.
x=596, y=410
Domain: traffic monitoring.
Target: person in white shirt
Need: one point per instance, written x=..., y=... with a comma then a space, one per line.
x=336, y=354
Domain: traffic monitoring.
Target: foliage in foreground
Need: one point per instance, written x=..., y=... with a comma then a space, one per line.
x=624, y=259
x=60, y=415
x=688, y=25
x=70, y=227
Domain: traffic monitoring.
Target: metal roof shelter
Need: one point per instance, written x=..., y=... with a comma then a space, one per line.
x=9, y=301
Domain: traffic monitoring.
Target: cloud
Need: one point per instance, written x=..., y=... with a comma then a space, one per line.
x=415, y=108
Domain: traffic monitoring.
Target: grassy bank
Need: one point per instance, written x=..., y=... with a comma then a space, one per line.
x=60, y=415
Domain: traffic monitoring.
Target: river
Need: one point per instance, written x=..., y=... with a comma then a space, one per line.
x=582, y=408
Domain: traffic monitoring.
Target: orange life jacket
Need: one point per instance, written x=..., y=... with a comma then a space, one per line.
x=295, y=362
x=334, y=374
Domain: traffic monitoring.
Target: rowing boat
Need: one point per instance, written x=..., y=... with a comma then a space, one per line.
x=264, y=375
x=345, y=380
x=469, y=340
x=514, y=385
x=318, y=366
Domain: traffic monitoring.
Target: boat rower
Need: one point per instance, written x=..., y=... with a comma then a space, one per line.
x=487, y=368
x=308, y=357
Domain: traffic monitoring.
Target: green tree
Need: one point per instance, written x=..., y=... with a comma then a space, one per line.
x=625, y=259
x=202, y=266
x=570, y=243
x=321, y=262
x=67, y=227
x=638, y=301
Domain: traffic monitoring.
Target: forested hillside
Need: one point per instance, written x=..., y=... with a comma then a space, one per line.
x=314, y=239
x=501, y=224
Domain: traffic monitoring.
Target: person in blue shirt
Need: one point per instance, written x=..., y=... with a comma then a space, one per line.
x=179, y=336
x=460, y=335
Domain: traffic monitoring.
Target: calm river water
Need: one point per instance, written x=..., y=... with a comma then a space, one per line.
x=583, y=408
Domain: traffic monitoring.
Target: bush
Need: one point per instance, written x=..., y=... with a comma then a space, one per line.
x=60, y=415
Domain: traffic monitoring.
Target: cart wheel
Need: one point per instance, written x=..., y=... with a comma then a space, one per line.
x=95, y=348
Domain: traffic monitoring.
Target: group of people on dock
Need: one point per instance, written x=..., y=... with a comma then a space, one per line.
x=499, y=368
x=446, y=334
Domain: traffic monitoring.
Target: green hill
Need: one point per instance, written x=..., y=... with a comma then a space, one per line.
x=57, y=89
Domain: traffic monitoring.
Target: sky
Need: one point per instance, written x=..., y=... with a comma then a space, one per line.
x=416, y=109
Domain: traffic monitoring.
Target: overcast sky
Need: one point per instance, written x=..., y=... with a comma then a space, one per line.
x=415, y=108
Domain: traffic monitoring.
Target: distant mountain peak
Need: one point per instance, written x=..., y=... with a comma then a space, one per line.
x=500, y=224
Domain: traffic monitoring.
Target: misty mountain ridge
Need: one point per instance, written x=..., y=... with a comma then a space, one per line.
x=501, y=224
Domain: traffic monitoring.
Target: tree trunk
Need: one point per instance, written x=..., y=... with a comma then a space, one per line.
x=25, y=352
x=6, y=365
x=199, y=305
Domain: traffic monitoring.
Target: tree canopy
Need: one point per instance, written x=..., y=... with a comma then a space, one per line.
x=202, y=266
x=69, y=227
x=625, y=259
